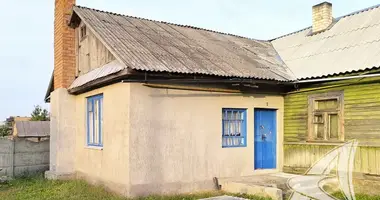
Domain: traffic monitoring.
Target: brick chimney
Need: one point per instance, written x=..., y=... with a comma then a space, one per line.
x=322, y=16
x=64, y=45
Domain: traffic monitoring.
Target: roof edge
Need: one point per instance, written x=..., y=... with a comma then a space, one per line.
x=368, y=69
x=335, y=19
x=169, y=23
x=50, y=88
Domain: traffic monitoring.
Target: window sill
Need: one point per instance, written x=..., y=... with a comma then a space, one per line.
x=94, y=147
x=228, y=147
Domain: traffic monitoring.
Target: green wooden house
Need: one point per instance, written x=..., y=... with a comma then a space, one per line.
x=336, y=97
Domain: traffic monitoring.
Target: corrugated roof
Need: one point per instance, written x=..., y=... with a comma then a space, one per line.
x=149, y=45
x=352, y=44
x=33, y=128
x=108, y=69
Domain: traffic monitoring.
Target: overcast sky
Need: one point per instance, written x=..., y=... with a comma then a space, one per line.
x=26, y=33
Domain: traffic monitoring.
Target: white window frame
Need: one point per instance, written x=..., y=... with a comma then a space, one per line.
x=234, y=131
x=94, y=122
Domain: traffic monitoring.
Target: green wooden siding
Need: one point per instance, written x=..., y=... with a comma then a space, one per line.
x=299, y=157
x=361, y=122
x=361, y=110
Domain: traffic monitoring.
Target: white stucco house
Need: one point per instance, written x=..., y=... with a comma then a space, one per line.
x=143, y=106
x=148, y=107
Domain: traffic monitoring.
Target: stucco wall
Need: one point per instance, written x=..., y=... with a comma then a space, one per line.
x=175, y=138
x=108, y=166
x=159, y=140
x=62, y=132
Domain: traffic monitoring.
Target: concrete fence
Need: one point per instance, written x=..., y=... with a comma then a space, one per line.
x=22, y=156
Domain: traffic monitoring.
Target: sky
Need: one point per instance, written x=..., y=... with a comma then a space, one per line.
x=26, y=33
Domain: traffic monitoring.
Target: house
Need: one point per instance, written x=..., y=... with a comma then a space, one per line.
x=336, y=63
x=31, y=129
x=12, y=120
x=23, y=127
x=17, y=119
x=25, y=151
x=149, y=107
x=145, y=107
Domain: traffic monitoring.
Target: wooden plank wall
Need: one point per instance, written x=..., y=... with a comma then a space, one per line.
x=92, y=53
x=361, y=112
x=361, y=122
x=299, y=157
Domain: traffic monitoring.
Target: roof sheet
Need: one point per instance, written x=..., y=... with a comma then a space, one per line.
x=33, y=128
x=107, y=69
x=351, y=44
x=148, y=45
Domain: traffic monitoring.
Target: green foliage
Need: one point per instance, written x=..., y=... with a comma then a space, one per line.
x=4, y=130
x=40, y=188
x=40, y=114
x=339, y=195
x=36, y=188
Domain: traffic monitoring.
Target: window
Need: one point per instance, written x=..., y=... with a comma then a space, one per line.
x=83, y=32
x=95, y=120
x=234, y=128
x=326, y=117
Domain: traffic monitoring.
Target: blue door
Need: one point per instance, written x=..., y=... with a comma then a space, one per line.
x=265, y=139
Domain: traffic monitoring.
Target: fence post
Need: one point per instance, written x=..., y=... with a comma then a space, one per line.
x=12, y=156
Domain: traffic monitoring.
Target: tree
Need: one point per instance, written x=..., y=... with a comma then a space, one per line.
x=4, y=130
x=6, y=127
x=40, y=114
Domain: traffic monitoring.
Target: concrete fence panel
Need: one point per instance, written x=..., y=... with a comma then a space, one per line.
x=21, y=156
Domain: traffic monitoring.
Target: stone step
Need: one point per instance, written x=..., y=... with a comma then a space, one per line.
x=247, y=188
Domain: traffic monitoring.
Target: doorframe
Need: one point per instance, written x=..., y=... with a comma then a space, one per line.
x=279, y=139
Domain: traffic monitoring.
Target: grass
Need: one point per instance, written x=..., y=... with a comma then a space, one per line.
x=38, y=188
x=358, y=196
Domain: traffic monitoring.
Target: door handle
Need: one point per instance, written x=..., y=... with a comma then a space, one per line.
x=263, y=137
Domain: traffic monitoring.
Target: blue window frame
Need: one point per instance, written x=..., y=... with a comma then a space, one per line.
x=234, y=127
x=95, y=120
